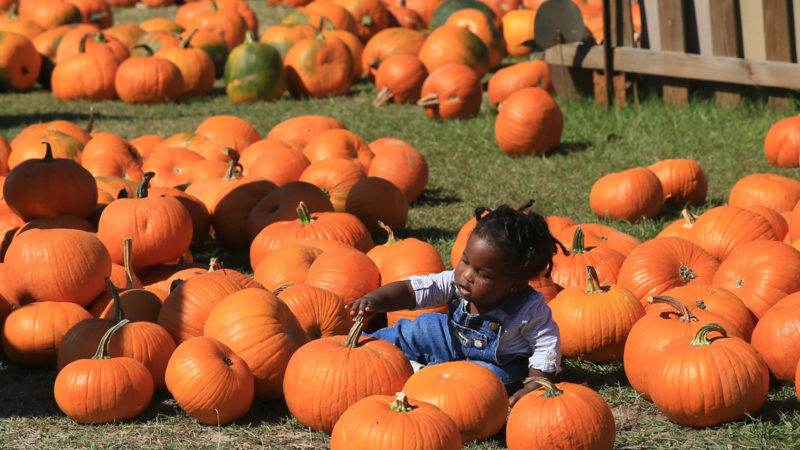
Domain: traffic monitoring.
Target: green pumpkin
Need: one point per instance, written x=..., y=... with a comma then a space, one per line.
x=254, y=71
x=443, y=11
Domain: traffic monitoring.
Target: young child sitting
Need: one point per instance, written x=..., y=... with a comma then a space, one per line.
x=495, y=318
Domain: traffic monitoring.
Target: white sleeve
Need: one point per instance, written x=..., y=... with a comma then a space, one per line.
x=544, y=340
x=433, y=289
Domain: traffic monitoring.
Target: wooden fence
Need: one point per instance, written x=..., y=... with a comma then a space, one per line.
x=726, y=48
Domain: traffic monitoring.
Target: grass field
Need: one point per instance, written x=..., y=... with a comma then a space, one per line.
x=467, y=170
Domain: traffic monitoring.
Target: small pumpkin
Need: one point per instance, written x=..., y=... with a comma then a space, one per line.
x=319, y=67
x=254, y=71
x=399, y=79
x=529, y=123
x=451, y=91
x=148, y=79
x=782, y=142
x=630, y=194
x=103, y=389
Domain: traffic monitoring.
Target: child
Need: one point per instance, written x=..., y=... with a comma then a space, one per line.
x=495, y=318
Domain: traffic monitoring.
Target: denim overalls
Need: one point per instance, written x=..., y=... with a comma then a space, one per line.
x=434, y=338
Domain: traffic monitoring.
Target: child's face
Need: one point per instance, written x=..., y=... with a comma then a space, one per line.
x=483, y=276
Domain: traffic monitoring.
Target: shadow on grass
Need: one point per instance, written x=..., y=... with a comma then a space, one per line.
x=436, y=196
x=429, y=234
x=567, y=148
x=27, y=392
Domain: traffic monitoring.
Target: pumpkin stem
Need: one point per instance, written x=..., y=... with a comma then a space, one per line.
x=550, y=389
x=304, y=214
x=249, y=37
x=689, y=217
x=214, y=264
x=90, y=122
x=400, y=403
x=100, y=37
x=429, y=101
x=234, y=168
x=577, y=241
x=686, y=315
x=701, y=304
x=701, y=338
x=185, y=43
x=102, y=349
x=390, y=239
x=48, y=151
x=127, y=246
x=82, y=44
x=686, y=273
x=383, y=97
x=282, y=288
x=355, y=332
x=148, y=50
x=119, y=313
x=592, y=283
x=214, y=6
x=366, y=20
x=141, y=191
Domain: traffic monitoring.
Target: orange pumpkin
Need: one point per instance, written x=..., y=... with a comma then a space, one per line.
x=765, y=189
x=529, y=123
x=209, y=381
x=782, y=142
x=683, y=181
x=260, y=329
x=318, y=67
x=148, y=79
x=450, y=44
x=386, y=43
x=775, y=337
x=521, y=75
x=326, y=376
x=320, y=312
x=297, y=131
x=281, y=204
x=451, y=91
x=630, y=195
x=399, y=79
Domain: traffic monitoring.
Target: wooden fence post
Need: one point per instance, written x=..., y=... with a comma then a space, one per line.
x=718, y=35
x=766, y=36
x=672, y=36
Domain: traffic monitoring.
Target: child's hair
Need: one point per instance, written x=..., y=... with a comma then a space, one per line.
x=523, y=236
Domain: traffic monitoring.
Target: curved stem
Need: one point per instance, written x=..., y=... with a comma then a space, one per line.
x=48, y=151
x=355, y=332
x=383, y=97
x=186, y=42
x=550, y=389
x=689, y=217
x=119, y=313
x=214, y=264
x=429, y=100
x=701, y=338
x=82, y=43
x=249, y=37
x=147, y=49
x=127, y=245
x=282, y=288
x=141, y=191
x=686, y=315
x=390, y=239
x=102, y=349
x=90, y=122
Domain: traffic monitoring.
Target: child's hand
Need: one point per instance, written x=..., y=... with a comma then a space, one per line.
x=518, y=395
x=365, y=306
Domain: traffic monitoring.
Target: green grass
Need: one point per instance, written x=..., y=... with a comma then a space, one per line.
x=467, y=170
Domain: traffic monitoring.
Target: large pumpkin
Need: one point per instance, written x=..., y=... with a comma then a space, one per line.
x=318, y=67
x=209, y=381
x=561, y=415
x=29, y=188
x=702, y=382
x=262, y=330
x=326, y=376
x=471, y=394
x=399, y=424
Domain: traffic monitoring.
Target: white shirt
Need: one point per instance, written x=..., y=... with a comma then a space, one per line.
x=530, y=332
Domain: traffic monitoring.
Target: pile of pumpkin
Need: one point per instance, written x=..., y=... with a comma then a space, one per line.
x=96, y=289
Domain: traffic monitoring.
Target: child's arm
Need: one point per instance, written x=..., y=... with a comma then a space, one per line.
x=390, y=297
x=529, y=386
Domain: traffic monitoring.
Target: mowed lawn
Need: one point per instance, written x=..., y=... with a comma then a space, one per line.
x=467, y=170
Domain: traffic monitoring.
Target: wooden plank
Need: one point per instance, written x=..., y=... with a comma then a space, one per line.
x=671, y=30
x=724, y=33
x=753, y=36
x=682, y=65
x=653, y=29
x=702, y=12
x=778, y=41
x=796, y=22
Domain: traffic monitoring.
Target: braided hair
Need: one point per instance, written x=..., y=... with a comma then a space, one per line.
x=523, y=236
